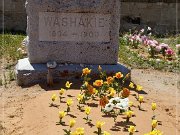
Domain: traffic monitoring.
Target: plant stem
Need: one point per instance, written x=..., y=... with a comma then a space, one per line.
x=99, y=131
x=127, y=120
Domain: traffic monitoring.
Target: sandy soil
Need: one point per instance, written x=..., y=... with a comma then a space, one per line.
x=26, y=111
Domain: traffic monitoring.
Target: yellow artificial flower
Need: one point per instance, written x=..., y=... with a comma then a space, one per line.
x=131, y=85
x=62, y=114
x=105, y=82
x=130, y=103
x=87, y=110
x=80, y=131
x=129, y=113
x=86, y=71
x=110, y=89
x=141, y=98
x=95, y=91
x=99, y=124
x=86, y=83
x=132, y=129
x=69, y=102
x=153, y=106
x=118, y=75
x=112, y=92
x=54, y=97
x=61, y=92
x=110, y=80
x=139, y=87
x=99, y=68
x=106, y=133
x=80, y=97
x=98, y=83
x=72, y=122
x=154, y=123
x=68, y=84
x=155, y=132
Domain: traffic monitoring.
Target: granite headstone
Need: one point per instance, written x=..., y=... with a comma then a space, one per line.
x=72, y=33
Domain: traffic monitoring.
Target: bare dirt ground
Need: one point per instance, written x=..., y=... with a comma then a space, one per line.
x=26, y=111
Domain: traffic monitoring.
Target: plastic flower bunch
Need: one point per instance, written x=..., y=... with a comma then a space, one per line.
x=131, y=85
x=135, y=41
x=128, y=114
x=125, y=93
x=153, y=107
x=87, y=112
x=117, y=102
x=152, y=44
x=155, y=132
x=112, y=92
x=164, y=47
x=103, y=101
x=90, y=92
x=69, y=102
x=154, y=124
x=118, y=82
x=61, y=92
x=106, y=133
x=53, y=98
x=80, y=99
x=85, y=73
x=141, y=100
x=72, y=122
x=138, y=89
x=169, y=53
x=98, y=84
x=99, y=125
x=62, y=114
x=131, y=130
x=68, y=85
x=78, y=131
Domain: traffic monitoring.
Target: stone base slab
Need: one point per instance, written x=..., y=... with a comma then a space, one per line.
x=30, y=74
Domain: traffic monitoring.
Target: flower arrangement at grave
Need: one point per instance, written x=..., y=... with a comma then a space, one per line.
x=112, y=93
x=149, y=51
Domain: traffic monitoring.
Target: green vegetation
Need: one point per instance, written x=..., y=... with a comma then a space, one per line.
x=9, y=45
x=9, y=54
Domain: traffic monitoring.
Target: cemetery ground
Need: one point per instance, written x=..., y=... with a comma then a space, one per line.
x=26, y=111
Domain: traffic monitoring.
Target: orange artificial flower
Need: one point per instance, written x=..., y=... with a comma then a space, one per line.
x=86, y=71
x=118, y=75
x=98, y=83
x=91, y=89
x=103, y=101
x=125, y=92
x=109, y=80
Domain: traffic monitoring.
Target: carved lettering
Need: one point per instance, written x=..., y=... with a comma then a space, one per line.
x=74, y=27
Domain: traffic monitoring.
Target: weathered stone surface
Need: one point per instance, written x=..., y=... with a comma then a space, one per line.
x=101, y=49
x=29, y=74
x=146, y=10
x=78, y=27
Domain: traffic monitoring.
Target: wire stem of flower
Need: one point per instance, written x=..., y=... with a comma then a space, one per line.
x=99, y=131
x=87, y=118
x=127, y=119
x=60, y=98
x=140, y=106
x=60, y=120
x=68, y=109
